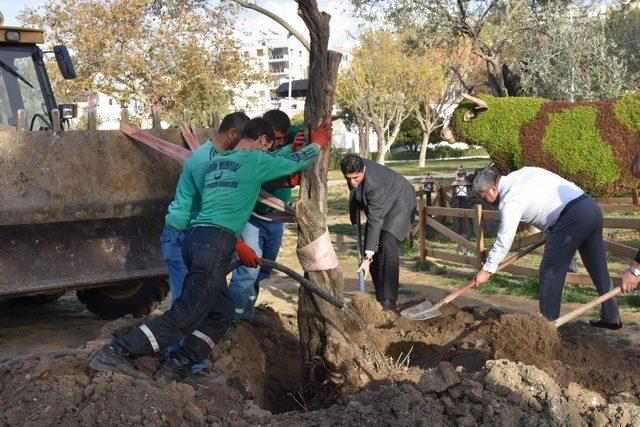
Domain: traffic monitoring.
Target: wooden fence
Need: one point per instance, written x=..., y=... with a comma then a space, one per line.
x=428, y=215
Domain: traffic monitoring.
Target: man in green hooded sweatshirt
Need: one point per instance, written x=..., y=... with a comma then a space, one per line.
x=203, y=312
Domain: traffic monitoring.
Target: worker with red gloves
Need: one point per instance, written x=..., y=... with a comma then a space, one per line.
x=203, y=312
x=262, y=233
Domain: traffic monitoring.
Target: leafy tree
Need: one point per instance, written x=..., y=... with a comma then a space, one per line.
x=379, y=86
x=491, y=27
x=178, y=57
x=622, y=27
x=410, y=134
x=572, y=60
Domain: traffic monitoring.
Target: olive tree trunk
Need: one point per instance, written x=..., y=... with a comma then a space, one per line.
x=328, y=358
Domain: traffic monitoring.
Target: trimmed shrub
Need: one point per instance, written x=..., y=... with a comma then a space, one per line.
x=498, y=128
x=574, y=141
x=591, y=143
x=627, y=110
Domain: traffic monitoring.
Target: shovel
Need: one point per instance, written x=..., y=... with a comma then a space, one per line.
x=359, y=238
x=578, y=311
x=425, y=310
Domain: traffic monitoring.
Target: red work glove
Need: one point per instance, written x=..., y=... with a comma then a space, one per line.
x=294, y=180
x=322, y=135
x=298, y=142
x=247, y=256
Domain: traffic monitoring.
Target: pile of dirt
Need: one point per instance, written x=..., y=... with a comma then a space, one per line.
x=466, y=367
x=502, y=393
x=529, y=339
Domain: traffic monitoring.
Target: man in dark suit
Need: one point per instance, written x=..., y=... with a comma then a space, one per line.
x=389, y=202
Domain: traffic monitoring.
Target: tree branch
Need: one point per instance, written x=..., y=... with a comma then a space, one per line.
x=278, y=19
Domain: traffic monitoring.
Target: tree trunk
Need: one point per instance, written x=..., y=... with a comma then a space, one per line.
x=363, y=149
x=328, y=358
x=382, y=148
x=367, y=134
x=426, y=133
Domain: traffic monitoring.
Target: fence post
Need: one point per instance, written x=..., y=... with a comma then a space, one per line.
x=423, y=232
x=479, y=234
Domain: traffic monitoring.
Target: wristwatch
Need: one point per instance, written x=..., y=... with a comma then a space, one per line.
x=370, y=258
x=634, y=271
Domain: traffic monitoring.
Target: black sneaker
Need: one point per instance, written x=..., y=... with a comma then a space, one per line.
x=114, y=358
x=388, y=304
x=174, y=368
x=602, y=324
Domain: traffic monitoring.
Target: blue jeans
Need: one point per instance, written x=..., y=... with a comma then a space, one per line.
x=171, y=242
x=265, y=238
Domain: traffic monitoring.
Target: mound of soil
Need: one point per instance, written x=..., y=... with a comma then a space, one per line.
x=529, y=339
x=463, y=368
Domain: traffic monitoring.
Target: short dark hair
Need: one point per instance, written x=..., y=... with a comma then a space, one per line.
x=351, y=163
x=278, y=119
x=257, y=127
x=237, y=120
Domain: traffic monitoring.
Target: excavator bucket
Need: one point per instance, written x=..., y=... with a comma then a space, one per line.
x=82, y=209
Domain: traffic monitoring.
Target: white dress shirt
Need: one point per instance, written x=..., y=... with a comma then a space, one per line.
x=531, y=195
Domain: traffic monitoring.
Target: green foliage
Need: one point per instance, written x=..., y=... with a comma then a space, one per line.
x=627, y=110
x=571, y=61
x=574, y=131
x=410, y=135
x=498, y=128
x=297, y=119
x=622, y=26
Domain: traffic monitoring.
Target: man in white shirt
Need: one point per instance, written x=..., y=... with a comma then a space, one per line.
x=570, y=219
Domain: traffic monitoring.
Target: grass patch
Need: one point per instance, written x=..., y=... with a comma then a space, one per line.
x=433, y=167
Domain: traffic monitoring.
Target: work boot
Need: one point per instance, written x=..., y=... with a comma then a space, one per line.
x=388, y=304
x=113, y=357
x=174, y=368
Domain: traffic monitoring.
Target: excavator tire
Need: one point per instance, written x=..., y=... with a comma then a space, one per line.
x=136, y=298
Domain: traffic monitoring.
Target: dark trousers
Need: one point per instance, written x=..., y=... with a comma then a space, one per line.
x=385, y=267
x=579, y=228
x=203, y=312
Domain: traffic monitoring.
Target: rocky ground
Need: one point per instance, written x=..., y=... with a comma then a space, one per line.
x=467, y=367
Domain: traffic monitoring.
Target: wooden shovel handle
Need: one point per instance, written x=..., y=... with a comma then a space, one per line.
x=578, y=311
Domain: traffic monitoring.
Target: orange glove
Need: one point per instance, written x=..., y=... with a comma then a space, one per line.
x=294, y=180
x=322, y=135
x=298, y=142
x=247, y=256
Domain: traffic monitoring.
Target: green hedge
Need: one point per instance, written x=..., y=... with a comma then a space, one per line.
x=498, y=128
x=627, y=110
x=574, y=141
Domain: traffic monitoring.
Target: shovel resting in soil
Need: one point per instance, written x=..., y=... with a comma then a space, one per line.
x=425, y=310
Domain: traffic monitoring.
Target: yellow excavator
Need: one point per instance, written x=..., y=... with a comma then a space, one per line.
x=80, y=209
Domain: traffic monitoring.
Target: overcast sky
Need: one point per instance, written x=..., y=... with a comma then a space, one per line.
x=343, y=24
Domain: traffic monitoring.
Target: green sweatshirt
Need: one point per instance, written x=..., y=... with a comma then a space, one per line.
x=282, y=193
x=186, y=203
x=233, y=182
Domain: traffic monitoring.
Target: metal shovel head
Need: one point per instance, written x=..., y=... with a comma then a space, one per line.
x=422, y=311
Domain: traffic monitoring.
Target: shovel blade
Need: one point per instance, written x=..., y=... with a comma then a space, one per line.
x=414, y=310
x=426, y=314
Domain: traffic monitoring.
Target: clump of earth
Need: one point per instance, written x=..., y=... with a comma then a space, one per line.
x=466, y=367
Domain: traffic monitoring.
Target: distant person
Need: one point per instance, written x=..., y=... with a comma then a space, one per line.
x=389, y=202
x=569, y=218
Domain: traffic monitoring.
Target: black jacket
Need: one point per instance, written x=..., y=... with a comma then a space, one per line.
x=389, y=201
